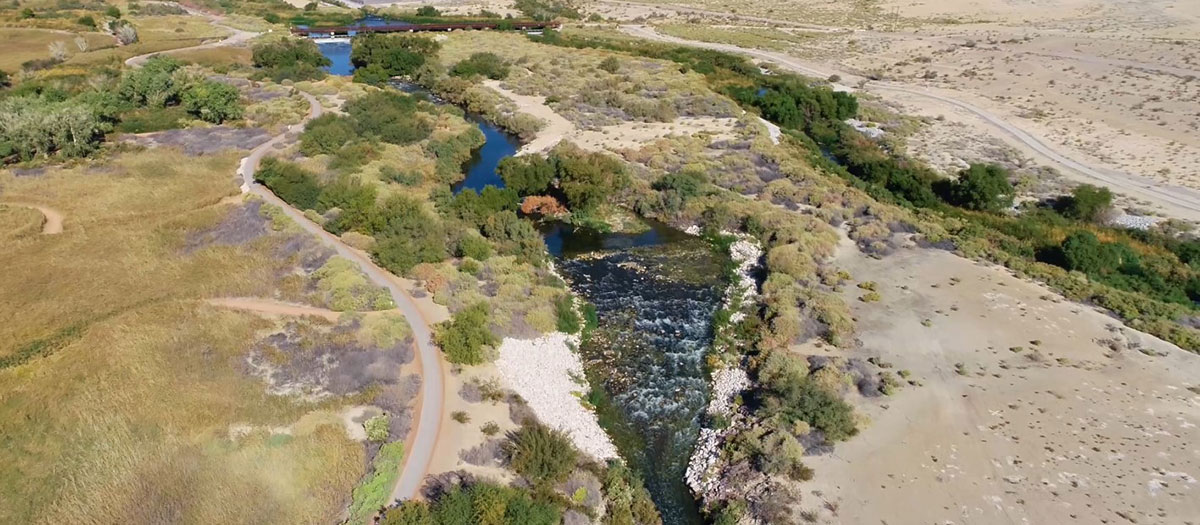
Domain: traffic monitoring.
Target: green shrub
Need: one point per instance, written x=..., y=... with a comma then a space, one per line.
x=484, y=64
x=212, y=101
x=154, y=84
x=389, y=116
x=464, y=337
x=377, y=428
x=527, y=174
x=375, y=490
x=405, y=178
x=112, y=12
x=542, y=455
x=564, y=311
x=410, y=512
x=326, y=134
x=295, y=185
x=428, y=10
x=373, y=74
x=981, y=187
x=486, y=503
x=34, y=126
x=1086, y=202
x=395, y=54
x=146, y=120
x=473, y=246
x=610, y=64
x=86, y=21
x=290, y=59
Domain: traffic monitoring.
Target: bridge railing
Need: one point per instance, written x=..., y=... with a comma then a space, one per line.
x=412, y=28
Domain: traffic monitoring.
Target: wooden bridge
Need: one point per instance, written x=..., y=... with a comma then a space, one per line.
x=349, y=31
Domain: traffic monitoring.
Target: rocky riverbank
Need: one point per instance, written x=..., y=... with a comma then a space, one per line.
x=549, y=375
x=727, y=381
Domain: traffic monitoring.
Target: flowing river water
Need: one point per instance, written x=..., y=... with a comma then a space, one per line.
x=655, y=293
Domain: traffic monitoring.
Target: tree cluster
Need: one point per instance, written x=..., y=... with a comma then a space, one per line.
x=290, y=59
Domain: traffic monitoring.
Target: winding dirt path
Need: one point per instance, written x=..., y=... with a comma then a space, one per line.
x=1175, y=201
x=54, y=219
x=273, y=307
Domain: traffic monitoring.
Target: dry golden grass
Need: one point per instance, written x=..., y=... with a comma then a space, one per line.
x=22, y=44
x=128, y=419
x=216, y=56
x=18, y=222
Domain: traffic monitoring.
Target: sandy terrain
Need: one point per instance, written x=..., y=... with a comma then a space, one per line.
x=1106, y=84
x=629, y=135
x=53, y=223
x=1031, y=409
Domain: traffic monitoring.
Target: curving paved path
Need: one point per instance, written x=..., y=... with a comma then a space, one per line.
x=429, y=405
x=236, y=36
x=1176, y=201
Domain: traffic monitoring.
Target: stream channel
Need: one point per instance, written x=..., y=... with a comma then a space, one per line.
x=655, y=293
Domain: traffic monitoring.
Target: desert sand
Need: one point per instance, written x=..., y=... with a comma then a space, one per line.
x=1029, y=409
x=1105, y=84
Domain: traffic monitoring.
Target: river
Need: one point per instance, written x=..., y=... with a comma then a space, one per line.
x=655, y=293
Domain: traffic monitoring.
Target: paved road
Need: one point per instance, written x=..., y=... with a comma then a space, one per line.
x=236, y=36
x=1175, y=201
x=430, y=409
x=431, y=402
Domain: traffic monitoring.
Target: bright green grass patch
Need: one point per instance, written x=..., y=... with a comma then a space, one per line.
x=376, y=489
x=347, y=289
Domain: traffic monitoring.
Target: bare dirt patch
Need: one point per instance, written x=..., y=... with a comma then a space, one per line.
x=203, y=141
x=1029, y=408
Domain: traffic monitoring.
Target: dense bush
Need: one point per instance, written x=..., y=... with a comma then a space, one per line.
x=527, y=174
x=395, y=54
x=547, y=9
x=389, y=116
x=515, y=236
x=295, y=185
x=484, y=64
x=564, y=311
x=628, y=500
x=587, y=179
x=610, y=64
x=1086, y=202
x=407, y=235
x=982, y=187
x=154, y=84
x=212, y=101
x=542, y=455
x=326, y=134
x=465, y=337
x=477, y=503
x=792, y=395
x=290, y=59
x=32, y=126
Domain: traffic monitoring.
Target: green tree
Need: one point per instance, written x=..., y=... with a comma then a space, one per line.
x=326, y=134
x=398, y=55
x=982, y=187
x=112, y=12
x=1086, y=202
x=154, y=84
x=373, y=75
x=428, y=10
x=484, y=64
x=295, y=185
x=290, y=59
x=408, y=513
x=464, y=337
x=212, y=101
x=542, y=455
x=587, y=179
x=527, y=174
x=86, y=21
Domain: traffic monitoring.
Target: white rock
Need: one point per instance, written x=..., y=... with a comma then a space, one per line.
x=543, y=372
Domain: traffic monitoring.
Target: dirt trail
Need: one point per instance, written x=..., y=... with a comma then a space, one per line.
x=557, y=126
x=273, y=307
x=1175, y=201
x=54, y=218
x=430, y=402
